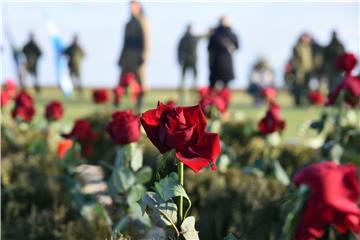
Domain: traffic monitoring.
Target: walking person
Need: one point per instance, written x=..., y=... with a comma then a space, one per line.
x=187, y=58
x=302, y=63
x=32, y=54
x=75, y=56
x=222, y=45
x=331, y=53
x=135, y=48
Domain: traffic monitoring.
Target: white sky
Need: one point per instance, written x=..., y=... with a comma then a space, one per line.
x=265, y=29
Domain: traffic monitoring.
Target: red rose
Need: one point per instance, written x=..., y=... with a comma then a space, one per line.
x=23, y=99
x=346, y=62
x=5, y=98
x=316, y=98
x=351, y=86
x=124, y=127
x=10, y=87
x=271, y=122
x=54, y=111
x=23, y=109
x=100, y=96
x=182, y=129
x=83, y=134
x=127, y=79
x=118, y=93
x=212, y=98
x=269, y=93
x=334, y=194
x=23, y=113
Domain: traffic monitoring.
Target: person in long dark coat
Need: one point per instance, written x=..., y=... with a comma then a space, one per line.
x=331, y=54
x=134, y=52
x=32, y=54
x=222, y=45
x=75, y=55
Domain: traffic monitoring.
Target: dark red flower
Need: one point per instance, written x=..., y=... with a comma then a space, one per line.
x=54, y=111
x=316, y=98
x=23, y=109
x=83, y=134
x=124, y=127
x=118, y=93
x=100, y=96
x=128, y=80
x=23, y=113
x=351, y=86
x=269, y=94
x=23, y=99
x=182, y=129
x=271, y=122
x=334, y=194
x=346, y=62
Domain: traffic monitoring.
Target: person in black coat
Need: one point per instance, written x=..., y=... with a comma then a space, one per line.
x=32, y=54
x=223, y=43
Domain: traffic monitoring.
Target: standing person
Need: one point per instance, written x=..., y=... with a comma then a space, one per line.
x=302, y=62
x=222, y=45
x=75, y=55
x=187, y=56
x=331, y=52
x=261, y=77
x=135, y=48
x=32, y=54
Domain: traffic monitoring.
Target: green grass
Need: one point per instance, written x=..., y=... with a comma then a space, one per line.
x=241, y=107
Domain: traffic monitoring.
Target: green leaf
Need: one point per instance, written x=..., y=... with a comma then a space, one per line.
x=121, y=224
x=188, y=229
x=162, y=213
x=169, y=187
x=135, y=212
x=144, y=175
x=120, y=157
x=135, y=194
x=122, y=179
x=136, y=161
x=230, y=236
x=293, y=217
x=280, y=173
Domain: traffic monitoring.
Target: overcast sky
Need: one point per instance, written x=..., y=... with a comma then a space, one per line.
x=264, y=29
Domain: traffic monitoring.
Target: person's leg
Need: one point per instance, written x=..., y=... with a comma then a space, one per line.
x=194, y=69
x=36, y=83
x=139, y=103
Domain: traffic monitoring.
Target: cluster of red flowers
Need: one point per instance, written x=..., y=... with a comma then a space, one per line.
x=100, y=96
x=272, y=121
x=334, y=194
x=182, y=129
x=24, y=108
x=350, y=84
x=219, y=99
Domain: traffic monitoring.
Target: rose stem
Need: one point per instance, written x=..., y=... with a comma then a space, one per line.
x=181, y=181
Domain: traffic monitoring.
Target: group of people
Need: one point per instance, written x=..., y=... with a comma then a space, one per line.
x=309, y=59
x=28, y=57
x=312, y=66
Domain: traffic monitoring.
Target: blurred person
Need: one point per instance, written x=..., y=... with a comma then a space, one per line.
x=135, y=48
x=302, y=63
x=318, y=60
x=75, y=55
x=32, y=54
x=331, y=53
x=261, y=77
x=222, y=45
x=187, y=57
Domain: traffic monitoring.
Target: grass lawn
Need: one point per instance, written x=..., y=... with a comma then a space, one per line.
x=241, y=107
